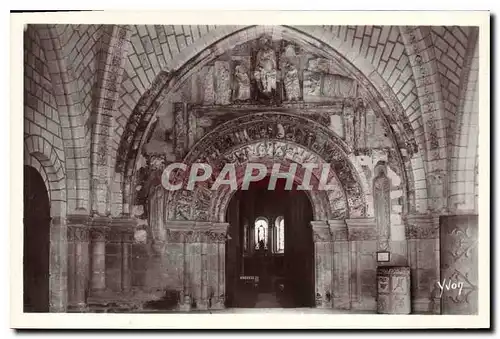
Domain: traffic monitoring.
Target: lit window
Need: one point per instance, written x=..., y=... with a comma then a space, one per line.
x=261, y=227
x=280, y=234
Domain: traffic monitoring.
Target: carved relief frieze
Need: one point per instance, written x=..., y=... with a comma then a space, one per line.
x=180, y=130
x=289, y=65
x=79, y=233
x=421, y=227
x=223, y=82
x=361, y=229
x=437, y=193
x=241, y=83
x=208, y=85
x=191, y=236
x=362, y=234
x=382, y=205
x=338, y=86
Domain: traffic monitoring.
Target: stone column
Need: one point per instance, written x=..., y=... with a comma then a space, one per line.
x=78, y=261
x=98, y=252
x=217, y=234
x=422, y=232
x=127, y=239
x=124, y=228
x=197, y=253
x=194, y=246
x=113, y=260
x=178, y=253
x=341, y=265
x=323, y=259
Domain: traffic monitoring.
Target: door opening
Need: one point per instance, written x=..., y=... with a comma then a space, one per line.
x=270, y=251
x=36, y=248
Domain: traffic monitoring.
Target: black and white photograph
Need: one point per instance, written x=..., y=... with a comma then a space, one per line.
x=319, y=169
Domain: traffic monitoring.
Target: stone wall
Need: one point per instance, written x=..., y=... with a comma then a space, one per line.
x=459, y=264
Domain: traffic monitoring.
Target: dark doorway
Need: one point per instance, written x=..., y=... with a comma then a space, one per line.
x=36, y=242
x=270, y=251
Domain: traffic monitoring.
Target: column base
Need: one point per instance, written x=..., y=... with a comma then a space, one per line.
x=185, y=304
x=342, y=304
x=218, y=304
x=324, y=306
x=202, y=305
x=78, y=308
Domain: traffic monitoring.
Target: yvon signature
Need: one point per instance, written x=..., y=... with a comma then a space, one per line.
x=449, y=285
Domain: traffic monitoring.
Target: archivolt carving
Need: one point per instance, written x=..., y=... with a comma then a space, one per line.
x=270, y=138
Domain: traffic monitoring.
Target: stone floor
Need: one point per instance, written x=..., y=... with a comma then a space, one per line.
x=261, y=302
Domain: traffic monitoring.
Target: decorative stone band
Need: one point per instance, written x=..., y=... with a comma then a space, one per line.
x=181, y=231
x=393, y=271
x=424, y=226
x=78, y=227
x=99, y=226
x=361, y=229
x=321, y=231
x=78, y=233
x=122, y=229
x=338, y=229
x=84, y=227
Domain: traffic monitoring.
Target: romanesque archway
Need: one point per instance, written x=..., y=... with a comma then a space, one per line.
x=38, y=153
x=375, y=91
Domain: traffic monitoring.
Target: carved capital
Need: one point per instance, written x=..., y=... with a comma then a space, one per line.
x=196, y=231
x=361, y=229
x=127, y=237
x=338, y=229
x=78, y=233
x=421, y=226
x=321, y=231
x=98, y=233
x=216, y=237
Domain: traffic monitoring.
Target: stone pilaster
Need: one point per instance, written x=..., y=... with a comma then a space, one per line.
x=217, y=236
x=124, y=227
x=422, y=233
x=58, y=265
x=323, y=258
x=362, y=236
x=341, y=265
x=197, y=249
x=127, y=239
x=98, y=230
x=78, y=261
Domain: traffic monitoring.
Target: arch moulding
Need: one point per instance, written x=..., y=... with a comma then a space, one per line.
x=376, y=92
x=272, y=138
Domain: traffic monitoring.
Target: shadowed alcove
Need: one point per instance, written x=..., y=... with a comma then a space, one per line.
x=36, y=242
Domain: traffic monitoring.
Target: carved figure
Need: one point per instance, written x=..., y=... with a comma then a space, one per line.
x=312, y=84
x=291, y=81
x=265, y=68
x=242, y=83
